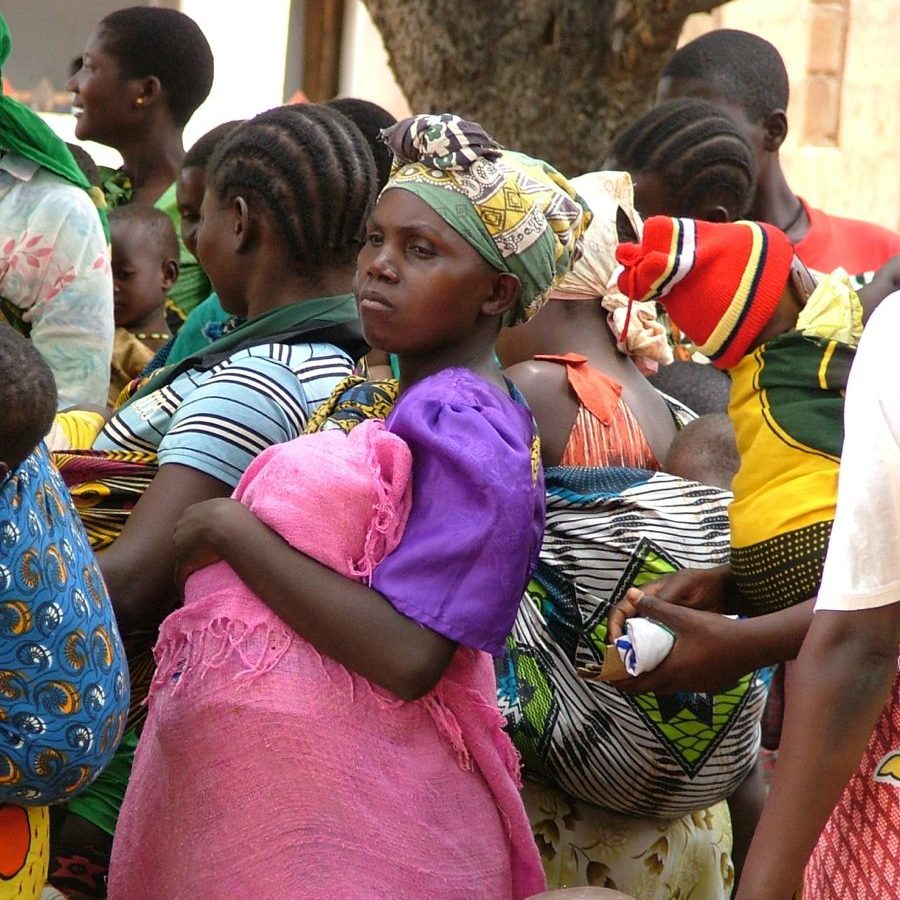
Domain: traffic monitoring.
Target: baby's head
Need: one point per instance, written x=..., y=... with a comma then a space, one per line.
x=27, y=398
x=728, y=286
x=705, y=451
x=144, y=264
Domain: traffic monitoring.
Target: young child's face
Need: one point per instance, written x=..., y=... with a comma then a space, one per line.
x=189, y=196
x=140, y=282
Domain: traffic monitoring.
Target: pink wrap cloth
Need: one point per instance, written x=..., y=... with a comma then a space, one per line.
x=267, y=769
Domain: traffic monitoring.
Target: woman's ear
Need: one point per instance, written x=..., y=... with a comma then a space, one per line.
x=241, y=224
x=505, y=295
x=149, y=92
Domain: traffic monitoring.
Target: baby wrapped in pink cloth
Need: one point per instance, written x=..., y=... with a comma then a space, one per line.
x=267, y=769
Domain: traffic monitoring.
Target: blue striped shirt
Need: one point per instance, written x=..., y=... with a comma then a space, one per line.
x=218, y=420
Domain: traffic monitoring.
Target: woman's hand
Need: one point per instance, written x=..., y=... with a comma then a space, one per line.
x=199, y=534
x=706, y=589
x=708, y=656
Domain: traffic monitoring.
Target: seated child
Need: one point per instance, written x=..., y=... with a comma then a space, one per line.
x=144, y=266
x=63, y=679
x=738, y=291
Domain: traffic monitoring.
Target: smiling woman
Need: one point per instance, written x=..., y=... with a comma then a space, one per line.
x=144, y=72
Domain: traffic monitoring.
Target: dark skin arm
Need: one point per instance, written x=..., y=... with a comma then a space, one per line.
x=138, y=566
x=711, y=652
x=343, y=618
x=546, y=388
x=885, y=281
x=839, y=685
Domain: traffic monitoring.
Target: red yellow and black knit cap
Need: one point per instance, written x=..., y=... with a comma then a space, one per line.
x=720, y=282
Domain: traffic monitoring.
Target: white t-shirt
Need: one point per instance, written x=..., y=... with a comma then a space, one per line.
x=862, y=569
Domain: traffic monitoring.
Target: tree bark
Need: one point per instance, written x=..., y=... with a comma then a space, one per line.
x=555, y=78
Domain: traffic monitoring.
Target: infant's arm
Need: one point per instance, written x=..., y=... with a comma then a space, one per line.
x=885, y=281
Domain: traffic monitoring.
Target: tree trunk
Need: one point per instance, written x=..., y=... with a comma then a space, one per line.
x=555, y=78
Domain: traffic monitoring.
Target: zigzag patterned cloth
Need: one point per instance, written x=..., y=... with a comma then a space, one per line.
x=858, y=853
x=648, y=755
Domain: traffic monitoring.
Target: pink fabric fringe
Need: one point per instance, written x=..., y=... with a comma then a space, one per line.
x=269, y=770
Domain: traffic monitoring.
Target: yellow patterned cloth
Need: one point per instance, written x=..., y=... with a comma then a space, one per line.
x=24, y=851
x=74, y=429
x=787, y=406
x=649, y=859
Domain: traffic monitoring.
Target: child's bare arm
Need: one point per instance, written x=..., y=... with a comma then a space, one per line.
x=885, y=281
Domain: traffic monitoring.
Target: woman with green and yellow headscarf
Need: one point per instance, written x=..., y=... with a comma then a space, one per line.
x=402, y=733
x=55, y=279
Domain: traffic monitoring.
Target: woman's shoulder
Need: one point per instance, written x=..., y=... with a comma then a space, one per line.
x=293, y=356
x=456, y=414
x=457, y=387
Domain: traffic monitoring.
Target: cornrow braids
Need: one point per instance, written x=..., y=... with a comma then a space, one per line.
x=203, y=148
x=152, y=40
x=742, y=68
x=370, y=119
x=27, y=396
x=314, y=172
x=696, y=150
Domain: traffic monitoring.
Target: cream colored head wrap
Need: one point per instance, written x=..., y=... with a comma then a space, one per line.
x=637, y=330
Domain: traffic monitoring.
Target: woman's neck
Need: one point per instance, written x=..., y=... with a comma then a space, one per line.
x=152, y=163
x=267, y=291
x=475, y=353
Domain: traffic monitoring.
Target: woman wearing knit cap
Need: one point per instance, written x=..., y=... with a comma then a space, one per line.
x=614, y=520
x=740, y=294
x=391, y=775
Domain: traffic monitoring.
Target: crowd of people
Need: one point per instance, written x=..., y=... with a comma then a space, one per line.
x=384, y=513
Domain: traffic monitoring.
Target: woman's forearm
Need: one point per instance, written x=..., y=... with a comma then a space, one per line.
x=776, y=637
x=835, y=695
x=138, y=566
x=340, y=617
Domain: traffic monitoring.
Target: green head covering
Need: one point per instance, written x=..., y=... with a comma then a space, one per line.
x=522, y=216
x=26, y=133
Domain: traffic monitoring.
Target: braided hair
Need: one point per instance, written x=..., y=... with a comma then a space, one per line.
x=742, y=68
x=696, y=150
x=370, y=119
x=312, y=169
x=203, y=148
x=153, y=40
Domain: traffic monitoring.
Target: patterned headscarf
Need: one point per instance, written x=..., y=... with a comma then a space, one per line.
x=24, y=132
x=636, y=326
x=522, y=216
